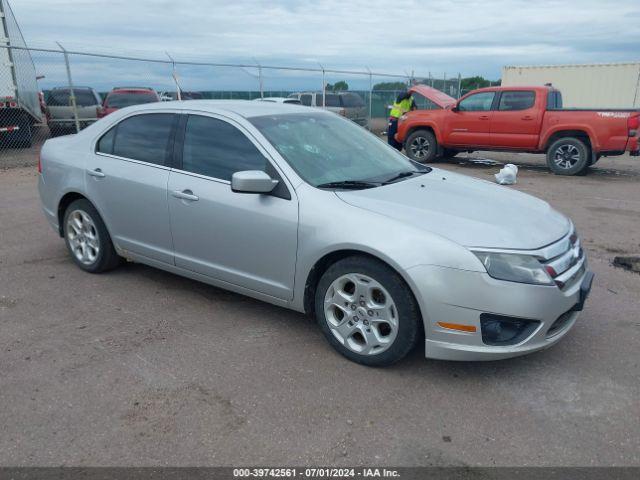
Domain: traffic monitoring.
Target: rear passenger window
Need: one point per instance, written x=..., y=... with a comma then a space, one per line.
x=144, y=137
x=510, y=101
x=217, y=149
x=305, y=100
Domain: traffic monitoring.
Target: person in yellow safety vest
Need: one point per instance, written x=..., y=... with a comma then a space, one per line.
x=404, y=103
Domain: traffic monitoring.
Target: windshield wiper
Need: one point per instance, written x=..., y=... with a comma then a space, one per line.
x=349, y=184
x=401, y=175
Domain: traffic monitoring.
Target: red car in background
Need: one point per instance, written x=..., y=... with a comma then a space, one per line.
x=121, y=97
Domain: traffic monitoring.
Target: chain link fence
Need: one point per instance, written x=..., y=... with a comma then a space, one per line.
x=49, y=92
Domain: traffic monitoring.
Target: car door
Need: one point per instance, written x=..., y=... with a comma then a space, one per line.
x=248, y=240
x=126, y=179
x=470, y=123
x=516, y=120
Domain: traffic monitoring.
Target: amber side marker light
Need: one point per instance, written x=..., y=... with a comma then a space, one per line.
x=457, y=326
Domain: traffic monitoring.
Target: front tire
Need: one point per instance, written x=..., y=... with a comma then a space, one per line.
x=367, y=312
x=568, y=156
x=87, y=238
x=421, y=146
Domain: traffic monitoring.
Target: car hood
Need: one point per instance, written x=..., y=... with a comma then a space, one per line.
x=436, y=96
x=470, y=212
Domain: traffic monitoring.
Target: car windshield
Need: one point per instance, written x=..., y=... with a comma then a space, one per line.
x=120, y=100
x=324, y=148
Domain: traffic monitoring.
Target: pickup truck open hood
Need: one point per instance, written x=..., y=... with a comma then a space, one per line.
x=436, y=96
x=470, y=212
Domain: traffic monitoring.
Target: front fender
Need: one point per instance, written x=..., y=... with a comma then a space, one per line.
x=337, y=226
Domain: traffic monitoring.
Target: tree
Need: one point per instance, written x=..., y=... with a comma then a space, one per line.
x=471, y=83
x=390, y=86
x=339, y=86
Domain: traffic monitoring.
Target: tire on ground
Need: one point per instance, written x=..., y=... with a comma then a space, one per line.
x=568, y=145
x=107, y=258
x=421, y=146
x=410, y=329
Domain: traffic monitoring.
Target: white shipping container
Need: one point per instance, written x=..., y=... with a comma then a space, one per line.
x=611, y=85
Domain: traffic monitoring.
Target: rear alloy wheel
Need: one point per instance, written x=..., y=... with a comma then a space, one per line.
x=87, y=238
x=421, y=146
x=568, y=156
x=367, y=312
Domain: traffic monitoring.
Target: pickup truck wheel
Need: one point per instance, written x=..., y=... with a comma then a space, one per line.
x=568, y=156
x=421, y=146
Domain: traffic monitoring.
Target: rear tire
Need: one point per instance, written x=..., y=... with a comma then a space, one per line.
x=87, y=238
x=367, y=312
x=421, y=146
x=568, y=156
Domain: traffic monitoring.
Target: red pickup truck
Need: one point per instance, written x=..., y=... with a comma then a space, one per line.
x=518, y=119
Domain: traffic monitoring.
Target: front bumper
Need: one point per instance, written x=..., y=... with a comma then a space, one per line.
x=449, y=295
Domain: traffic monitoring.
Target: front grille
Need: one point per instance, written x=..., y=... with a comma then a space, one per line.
x=565, y=260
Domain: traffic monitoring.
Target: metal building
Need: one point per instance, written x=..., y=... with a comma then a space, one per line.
x=605, y=85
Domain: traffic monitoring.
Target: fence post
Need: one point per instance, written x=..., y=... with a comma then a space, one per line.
x=324, y=87
x=370, y=123
x=72, y=93
x=459, y=84
x=175, y=77
x=260, y=78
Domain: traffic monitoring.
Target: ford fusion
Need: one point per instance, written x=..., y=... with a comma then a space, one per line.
x=307, y=210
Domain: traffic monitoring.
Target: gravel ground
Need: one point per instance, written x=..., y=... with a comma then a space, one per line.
x=141, y=367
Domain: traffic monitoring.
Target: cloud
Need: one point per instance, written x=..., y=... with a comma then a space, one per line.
x=442, y=36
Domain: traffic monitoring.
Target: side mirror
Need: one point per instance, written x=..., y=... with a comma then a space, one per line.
x=252, y=181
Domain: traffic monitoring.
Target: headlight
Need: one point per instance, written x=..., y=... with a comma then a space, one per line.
x=515, y=268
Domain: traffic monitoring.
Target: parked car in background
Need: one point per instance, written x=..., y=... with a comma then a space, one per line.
x=519, y=119
x=292, y=101
x=121, y=97
x=347, y=104
x=303, y=209
x=60, y=110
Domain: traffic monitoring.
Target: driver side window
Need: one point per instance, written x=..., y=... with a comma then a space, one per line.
x=479, y=102
x=217, y=149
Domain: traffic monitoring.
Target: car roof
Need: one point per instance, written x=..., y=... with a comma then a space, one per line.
x=244, y=108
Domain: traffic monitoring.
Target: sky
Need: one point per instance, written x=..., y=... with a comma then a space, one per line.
x=440, y=37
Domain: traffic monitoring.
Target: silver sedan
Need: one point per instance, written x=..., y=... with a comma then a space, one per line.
x=304, y=209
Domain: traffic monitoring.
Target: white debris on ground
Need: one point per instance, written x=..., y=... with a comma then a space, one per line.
x=507, y=174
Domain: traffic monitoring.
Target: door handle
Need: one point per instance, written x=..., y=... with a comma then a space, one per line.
x=96, y=173
x=527, y=117
x=185, y=195
x=484, y=117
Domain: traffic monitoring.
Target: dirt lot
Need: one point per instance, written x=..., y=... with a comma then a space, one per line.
x=141, y=367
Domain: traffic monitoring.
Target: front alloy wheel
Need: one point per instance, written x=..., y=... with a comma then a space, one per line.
x=367, y=312
x=419, y=148
x=361, y=314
